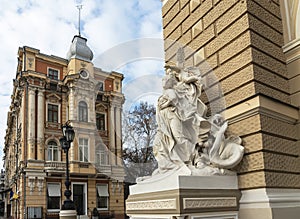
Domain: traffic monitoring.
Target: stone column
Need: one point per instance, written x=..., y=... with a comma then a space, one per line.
x=72, y=110
x=31, y=125
x=290, y=15
x=290, y=10
x=112, y=133
x=23, y=120
x=71, y=116
x=40, y=125
x=119, y=135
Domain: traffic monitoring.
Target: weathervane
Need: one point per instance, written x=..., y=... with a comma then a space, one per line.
x=79, y=7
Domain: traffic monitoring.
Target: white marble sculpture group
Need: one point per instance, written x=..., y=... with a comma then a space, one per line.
x=186, y=138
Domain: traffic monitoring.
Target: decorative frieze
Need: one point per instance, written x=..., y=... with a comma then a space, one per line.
x=162, y=204
x=216, y=202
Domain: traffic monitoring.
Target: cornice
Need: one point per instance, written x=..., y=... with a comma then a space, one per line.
x=263, y=106
x=53, y=59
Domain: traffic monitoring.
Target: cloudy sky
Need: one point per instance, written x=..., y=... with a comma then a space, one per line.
x=130, y=28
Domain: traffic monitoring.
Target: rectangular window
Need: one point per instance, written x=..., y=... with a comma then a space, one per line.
x=99, y=97
x=102, y=196
x=100, y=121
x=53, y=151
x=103, y=158
x=53, y=196
x=53, y=73
x=53, y=86
x=101, y=86
x=83, y=150
x=52, y=113
x=83, y=111
x=34, y=212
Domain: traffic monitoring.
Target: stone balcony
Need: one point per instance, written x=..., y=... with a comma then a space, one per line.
x=103, y=169
x=54, y=166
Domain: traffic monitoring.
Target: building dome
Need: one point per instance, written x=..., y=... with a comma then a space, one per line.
x=79, y=49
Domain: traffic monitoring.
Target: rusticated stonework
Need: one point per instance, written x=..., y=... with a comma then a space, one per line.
x=242, y=43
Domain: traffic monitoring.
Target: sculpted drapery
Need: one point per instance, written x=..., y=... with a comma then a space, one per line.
x=180, y=118
x=186, y=137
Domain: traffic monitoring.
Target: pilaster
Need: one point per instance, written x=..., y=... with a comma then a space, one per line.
x=72, y=117
x=112, y=133
x=71, y=108
x=119, y=135
x=31, y=124
x=40, y=125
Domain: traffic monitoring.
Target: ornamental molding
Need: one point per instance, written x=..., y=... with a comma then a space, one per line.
x=53, y=97
x=264, y=198
x=218, y=202
x=101, y=107
x=162, y=204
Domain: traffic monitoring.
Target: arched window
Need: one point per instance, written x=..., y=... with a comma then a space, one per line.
x=82, y=111
x=53, y=151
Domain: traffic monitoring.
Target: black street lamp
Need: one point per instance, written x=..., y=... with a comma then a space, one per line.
x=65, y=142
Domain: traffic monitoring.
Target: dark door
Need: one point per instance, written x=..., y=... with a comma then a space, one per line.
x=79, y=198
x=8, y=211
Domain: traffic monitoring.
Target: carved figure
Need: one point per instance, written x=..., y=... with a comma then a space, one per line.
x=186, y=138
x=180, y=119
x=217, y=153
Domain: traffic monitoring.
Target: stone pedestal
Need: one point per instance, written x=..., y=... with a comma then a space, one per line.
x=68, y=214
x=185, y=197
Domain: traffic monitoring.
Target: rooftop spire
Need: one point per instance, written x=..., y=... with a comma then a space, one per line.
x=79, y=7
x=79, y=48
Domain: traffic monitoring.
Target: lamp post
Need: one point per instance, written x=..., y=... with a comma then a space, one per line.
x=68, y=208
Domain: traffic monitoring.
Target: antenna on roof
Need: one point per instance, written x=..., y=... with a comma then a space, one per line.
x=79, y=7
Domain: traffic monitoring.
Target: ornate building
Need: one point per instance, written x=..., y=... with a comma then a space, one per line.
x=48, y=92
x=251, y=50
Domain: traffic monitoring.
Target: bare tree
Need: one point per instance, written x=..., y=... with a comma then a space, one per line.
x=139, y=129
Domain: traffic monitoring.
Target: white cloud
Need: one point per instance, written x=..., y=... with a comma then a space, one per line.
x=144, y=88
x=49, y=25
x=125, y=53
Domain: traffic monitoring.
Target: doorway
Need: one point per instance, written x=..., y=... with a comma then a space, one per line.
x=80, y=198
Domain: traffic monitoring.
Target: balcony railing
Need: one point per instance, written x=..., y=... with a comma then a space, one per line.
x=54, y=165
x=53, y=125
x=105, y=169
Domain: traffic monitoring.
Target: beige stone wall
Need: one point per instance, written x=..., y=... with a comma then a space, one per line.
x=116, y=201
x=242, y=43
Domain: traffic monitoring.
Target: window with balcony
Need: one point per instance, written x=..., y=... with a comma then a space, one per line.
x=53, y=151
x=53, y=73
x=53, y=197
x=100, y=121
x=82, y=111
x=53, y=113
x=102, y=196
x=83, y=149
